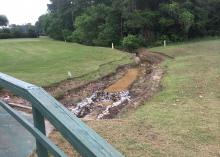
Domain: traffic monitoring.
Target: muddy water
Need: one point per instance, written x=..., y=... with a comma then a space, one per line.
x=125, y=82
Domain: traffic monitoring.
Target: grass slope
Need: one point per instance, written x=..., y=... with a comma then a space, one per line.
x=184, y=119
x=43, y=61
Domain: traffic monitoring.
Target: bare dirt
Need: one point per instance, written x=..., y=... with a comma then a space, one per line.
x=141, y=81
x=125, y=82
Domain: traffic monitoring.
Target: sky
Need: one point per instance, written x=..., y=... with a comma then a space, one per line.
x=23, y=11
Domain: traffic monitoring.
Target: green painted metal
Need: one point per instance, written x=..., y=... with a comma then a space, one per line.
x=40, y=125
x=85, y=140
x=40, y=137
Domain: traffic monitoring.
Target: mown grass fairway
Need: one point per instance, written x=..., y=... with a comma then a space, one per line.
x=184, y=119
x=43, y=61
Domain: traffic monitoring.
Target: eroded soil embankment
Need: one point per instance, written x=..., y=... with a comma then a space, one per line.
x=68, y=92
x=128, y=87
x=101, y=102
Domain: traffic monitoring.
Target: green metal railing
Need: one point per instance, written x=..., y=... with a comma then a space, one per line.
x=86, y=141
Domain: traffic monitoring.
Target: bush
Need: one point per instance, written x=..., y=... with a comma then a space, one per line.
x=67, y=35
x=17, y=31
x=176, y=38
x=131, y=42
x=5, y=35
x=164, y=37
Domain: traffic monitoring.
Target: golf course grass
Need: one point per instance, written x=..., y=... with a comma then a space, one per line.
x=44, y=61
x=184, y=118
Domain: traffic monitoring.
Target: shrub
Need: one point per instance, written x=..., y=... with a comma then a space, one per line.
x=131, y=42
x=5, y=35
x=18, y=31
x=67, y=35
x=176, y=38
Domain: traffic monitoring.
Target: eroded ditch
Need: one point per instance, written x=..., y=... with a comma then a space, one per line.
x=103, y=102
x=127, y=88
x=130, y=86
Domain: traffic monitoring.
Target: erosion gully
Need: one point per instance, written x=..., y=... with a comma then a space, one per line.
x=128, y=87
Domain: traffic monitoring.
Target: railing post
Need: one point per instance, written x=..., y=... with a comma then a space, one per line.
x=85, y=140
x=40, y=125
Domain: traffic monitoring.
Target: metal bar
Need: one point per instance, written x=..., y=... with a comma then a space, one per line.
x=41, y=138
x=85, y=140
x=40, y=125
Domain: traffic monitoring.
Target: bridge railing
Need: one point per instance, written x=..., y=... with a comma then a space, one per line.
x=84, y=140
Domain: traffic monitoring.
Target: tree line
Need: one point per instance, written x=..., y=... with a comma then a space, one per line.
x=101, y=22
x=16, y=31
x=129, y=23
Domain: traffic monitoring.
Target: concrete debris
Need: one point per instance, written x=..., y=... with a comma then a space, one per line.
x=113, y=109
x=200, y=96
x=6, y=98
x=87, y=105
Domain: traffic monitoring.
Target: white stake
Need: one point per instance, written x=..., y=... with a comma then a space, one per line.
x=70, y=74
x=165, y=43
x=113, y=46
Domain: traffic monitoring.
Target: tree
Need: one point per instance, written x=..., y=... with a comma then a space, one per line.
x=3, y=20
x=18, y=31
x=186, y=19
x=213, y=19
x=42, y=24
x=55, y=28
x=100, y=22
x=131, y=42
x=93, y=28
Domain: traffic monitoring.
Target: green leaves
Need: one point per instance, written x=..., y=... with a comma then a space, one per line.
x=186, y=19
x=3, y=20
x=95, y=26
x=131, y=42
x=95, y=22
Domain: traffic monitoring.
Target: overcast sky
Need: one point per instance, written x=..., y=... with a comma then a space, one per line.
x=23, y=11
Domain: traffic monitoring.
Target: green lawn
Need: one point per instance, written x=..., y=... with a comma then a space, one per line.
x=43, y=61
x=184, y=119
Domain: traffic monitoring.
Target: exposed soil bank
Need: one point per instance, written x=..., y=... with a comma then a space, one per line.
x=145, y=86
x=130, y=85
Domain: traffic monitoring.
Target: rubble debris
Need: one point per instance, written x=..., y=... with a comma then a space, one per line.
x=16, y=102
x=128, y=87
x=101, y=98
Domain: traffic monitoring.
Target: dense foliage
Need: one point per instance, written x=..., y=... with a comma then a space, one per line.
x=101, y=22
x=3, y=20
x=18, y=31
x=131, y=42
